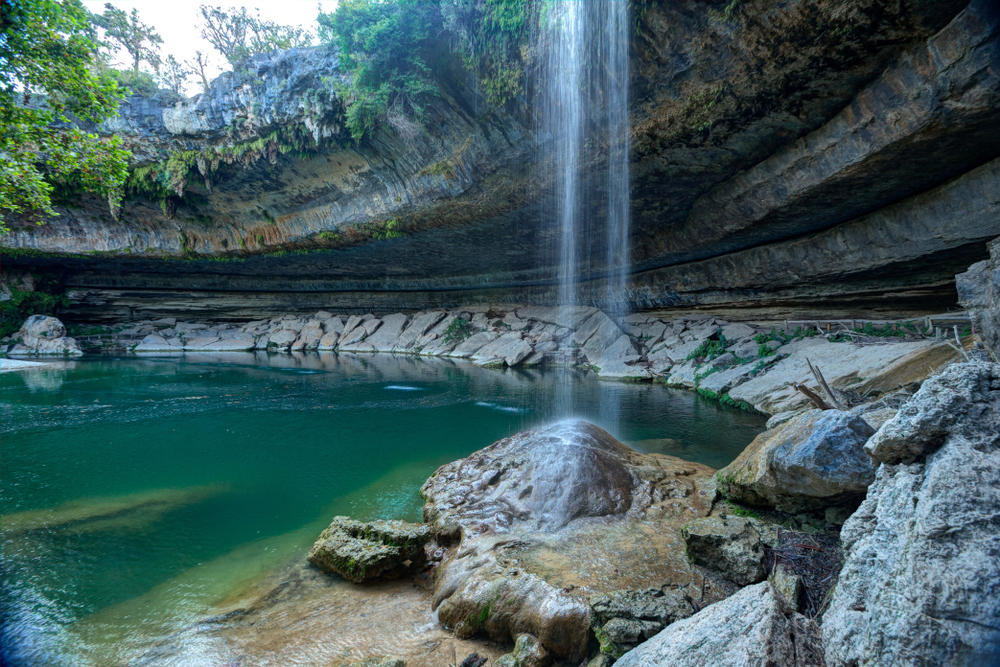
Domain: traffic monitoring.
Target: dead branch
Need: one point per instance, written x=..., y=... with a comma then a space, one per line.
x=822, y=383
x=811, y=395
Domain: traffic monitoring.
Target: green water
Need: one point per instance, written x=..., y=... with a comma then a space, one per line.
x=136, y=492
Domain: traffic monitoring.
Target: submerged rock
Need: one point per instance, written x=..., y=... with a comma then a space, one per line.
x=535, y=524
x=753, y=627
x=361, y=551
x=921, y=582
x=528, y=652
x=812, y=461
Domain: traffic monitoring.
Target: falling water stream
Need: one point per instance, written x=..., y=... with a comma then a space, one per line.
x=585, y=113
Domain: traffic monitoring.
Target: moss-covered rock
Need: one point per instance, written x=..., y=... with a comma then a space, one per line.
x=362, y=551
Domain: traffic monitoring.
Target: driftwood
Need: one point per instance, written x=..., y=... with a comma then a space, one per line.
x=822, y=383
x=957, y=345
x=811, y=395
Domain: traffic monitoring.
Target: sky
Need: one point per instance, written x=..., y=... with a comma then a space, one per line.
x=176, y=21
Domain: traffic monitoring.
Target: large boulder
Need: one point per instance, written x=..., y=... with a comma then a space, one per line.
x=534, y=525
x=812, y=461
x=42, y=334
x=961, y=401
x=979, y=292
x=361, y=551
x=921, y=582
x=753, y=627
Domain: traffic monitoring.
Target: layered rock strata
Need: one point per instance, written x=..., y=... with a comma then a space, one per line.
x=856, y=170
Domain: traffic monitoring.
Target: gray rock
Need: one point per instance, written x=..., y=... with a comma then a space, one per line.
x=42, y=334
x=722, y=360
x=788, y=584
x=472, y=344
x=624, y=619
x=979, y=293
x=154, y=343
x=601, y=660
x=282, y=339
x=746, y=349
x=728, y=545
x=619, y=361
x=876, y=418
x=419, y=325
x=753, y=627
x=361, y=551
x=333, y=325
x=223, y=345
x=199, y=342
x=722, y=381
x=959, y=401
x=386, y=337
x=328, y=341
x=920, y=584
x=814, y=460
x=528, y=652
x=511, y=349
x=737, y=331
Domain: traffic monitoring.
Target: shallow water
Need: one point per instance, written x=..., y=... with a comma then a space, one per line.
x=138, y=494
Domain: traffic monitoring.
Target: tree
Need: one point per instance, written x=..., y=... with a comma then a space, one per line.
x=198, y=65
x=237, y=34
x=386, y=46
x=126, y=31
x=47, y=48
x=174, y=75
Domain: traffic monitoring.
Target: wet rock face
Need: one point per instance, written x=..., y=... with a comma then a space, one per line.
x=362, y=551
x=813, y=461
x=547, y=477
x=920, y=567
x=535, y=524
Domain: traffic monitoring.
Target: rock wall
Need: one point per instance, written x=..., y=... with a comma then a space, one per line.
x=787, y=158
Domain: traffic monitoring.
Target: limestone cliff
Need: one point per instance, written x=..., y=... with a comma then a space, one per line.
x=785, y=154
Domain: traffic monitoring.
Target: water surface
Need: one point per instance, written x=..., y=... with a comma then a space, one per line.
x=137, y=493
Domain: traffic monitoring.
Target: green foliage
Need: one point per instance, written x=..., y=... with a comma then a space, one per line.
x=896, y=330
x=238, y=35
x=133, y=82
x=47, y=48
x=387, y=47
x=494, y=42
x=126, y=31
x=709, y=349
x=46, y=297
x=457, y=331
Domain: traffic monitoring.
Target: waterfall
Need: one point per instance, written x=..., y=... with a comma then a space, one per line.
x=585, y=113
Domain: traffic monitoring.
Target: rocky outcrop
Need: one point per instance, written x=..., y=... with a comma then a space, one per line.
x=361, y=551
x=537, y=523
x=728, y=545
x=919, y=583
x=753, y=627
x=44, y=335
x=979, y=293
x=781, y=184
x=813, y=461
x=624, y=619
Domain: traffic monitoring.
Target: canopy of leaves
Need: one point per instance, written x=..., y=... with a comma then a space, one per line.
x=387, y=47
x=238, y=35
x=126, y=31
x=46, y=49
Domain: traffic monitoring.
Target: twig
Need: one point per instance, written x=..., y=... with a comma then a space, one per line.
x=822, y=383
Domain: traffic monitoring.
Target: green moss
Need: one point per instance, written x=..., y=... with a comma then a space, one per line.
x=457, y=331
